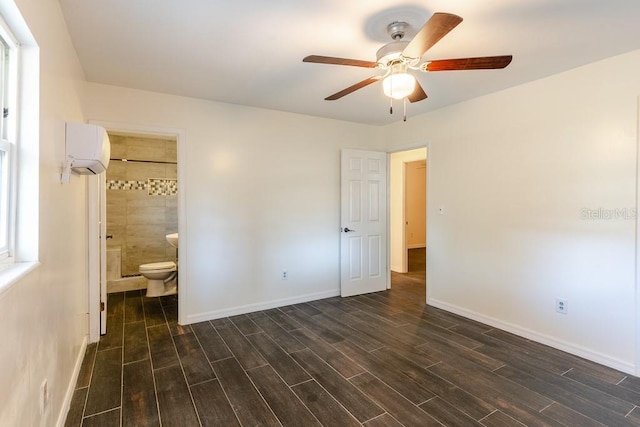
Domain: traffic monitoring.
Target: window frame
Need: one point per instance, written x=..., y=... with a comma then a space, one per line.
x=9, y=87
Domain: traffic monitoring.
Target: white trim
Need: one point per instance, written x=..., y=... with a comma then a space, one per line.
x=94, y=241
x=181, y=142
x=426, y=227
x=11, y=272
x=102, y=261
x=404, y=263
x=7, y=187
x=27, y=170
x=7, y=33
x=388, y=201
x=9, y=138
x=577, y=350
x=637, y=245
x=71, y=388
x=250, y=308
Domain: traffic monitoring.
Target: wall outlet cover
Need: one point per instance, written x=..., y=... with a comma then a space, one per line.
x=561, y=306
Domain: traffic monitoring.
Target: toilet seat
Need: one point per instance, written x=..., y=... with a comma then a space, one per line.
x=158, y=266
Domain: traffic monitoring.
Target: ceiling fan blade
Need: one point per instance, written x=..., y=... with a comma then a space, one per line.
x=339, y=61
x=418, y=94
x=483, y=63
x=436, y=27
x=352, y=88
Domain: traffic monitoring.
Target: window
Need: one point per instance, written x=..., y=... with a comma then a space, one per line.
x=8, y=123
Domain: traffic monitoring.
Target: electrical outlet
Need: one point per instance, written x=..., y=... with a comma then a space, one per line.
x=561, y=306
x=284, y=275
x=44, y=396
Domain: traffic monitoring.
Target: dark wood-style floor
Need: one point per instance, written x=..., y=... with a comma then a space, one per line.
x=381, y=359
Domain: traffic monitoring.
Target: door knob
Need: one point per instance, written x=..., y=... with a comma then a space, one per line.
x=347, y=230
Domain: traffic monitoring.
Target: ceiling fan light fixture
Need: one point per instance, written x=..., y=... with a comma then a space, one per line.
x=398, y=85
x=399, y=58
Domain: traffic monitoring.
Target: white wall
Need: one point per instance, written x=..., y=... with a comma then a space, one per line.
x=397, y=238
x=261, y=194
x=44, y=321
x=513, y=170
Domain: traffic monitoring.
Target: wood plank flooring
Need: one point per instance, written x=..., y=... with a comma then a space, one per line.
x=382, y=359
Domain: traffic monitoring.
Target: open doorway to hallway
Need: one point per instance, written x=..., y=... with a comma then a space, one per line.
x=407, y=213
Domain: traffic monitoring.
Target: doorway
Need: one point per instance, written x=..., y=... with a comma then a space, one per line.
x=142, y=206
x=98, y=227
x=407, y=224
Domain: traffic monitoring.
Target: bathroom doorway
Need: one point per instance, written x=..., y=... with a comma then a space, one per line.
x=407, y=220
x=141, y=206
x=99, y=305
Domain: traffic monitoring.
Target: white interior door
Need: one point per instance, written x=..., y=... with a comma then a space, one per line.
x=103, y=253
x=363, y=240
x=96, y=199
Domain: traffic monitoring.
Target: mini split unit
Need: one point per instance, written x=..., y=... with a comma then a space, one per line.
x=87, y=150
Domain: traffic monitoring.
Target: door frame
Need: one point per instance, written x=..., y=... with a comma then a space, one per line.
x=402, y=148
x=96, y=262
x=637, y=244
x=181, y=138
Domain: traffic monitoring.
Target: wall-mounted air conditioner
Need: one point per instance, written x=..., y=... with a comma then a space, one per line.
x=87, y=150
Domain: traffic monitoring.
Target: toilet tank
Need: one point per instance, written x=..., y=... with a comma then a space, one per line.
x=88, y=148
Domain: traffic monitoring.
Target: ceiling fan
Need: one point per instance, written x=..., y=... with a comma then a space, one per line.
x=399, y=56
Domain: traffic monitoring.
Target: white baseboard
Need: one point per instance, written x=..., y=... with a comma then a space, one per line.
x=250, y=308
x=397, y=269
x=586, y=353
x=66, y=403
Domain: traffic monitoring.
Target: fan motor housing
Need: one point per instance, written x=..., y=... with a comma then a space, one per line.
x=390, y=52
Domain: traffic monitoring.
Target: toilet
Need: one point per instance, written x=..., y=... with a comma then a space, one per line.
x=162, y=278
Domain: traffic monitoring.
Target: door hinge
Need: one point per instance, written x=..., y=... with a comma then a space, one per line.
x=101, y=306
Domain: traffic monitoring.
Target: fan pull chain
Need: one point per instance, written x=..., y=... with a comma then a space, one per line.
x=404, y=105
x=390, y=105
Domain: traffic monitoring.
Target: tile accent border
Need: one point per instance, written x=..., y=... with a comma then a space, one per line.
x=119, y=184
x=154, y=186
x=162, y=187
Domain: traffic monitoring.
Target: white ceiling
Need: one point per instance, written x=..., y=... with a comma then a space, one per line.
x=250, y=52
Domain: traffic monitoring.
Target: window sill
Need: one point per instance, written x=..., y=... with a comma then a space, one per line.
x=10, y=273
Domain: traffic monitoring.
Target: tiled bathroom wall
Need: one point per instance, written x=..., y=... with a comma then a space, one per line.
x=141, y=202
